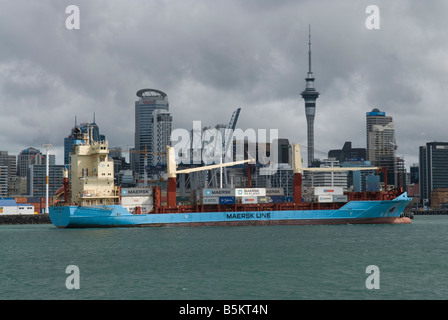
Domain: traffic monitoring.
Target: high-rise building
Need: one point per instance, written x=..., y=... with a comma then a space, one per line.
x=31, y=156
x=310, y=95
x=152, y=129
x=3, y=180
x=10, y=161
x=381, y=146
x=8, y=170
x=380, y=135
x=347, y=153
x=37, y=179
x=433, y=169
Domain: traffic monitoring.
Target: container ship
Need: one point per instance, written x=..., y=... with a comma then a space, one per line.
x=89, y=198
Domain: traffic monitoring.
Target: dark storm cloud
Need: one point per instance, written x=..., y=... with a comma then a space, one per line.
x=211, y=57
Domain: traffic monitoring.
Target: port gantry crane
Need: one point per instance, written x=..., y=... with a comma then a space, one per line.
x=226, y=143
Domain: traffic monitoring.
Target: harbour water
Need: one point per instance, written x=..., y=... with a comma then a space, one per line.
x=263, y=262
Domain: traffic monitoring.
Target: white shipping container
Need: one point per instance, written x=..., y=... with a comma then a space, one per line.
x=9, y=210
x=132, y=192
x=143, y=209
x=217, y=192
x=250, y=192
x=25, y=210
x=328, y=190
x=325, y=198
x=134, y=201
x=19, y=209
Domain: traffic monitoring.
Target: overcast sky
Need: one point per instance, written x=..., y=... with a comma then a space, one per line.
x=213, y=56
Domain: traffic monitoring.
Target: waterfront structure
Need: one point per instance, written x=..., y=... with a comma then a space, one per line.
x=153, y=124
x=439, y=198
x=310, y=95
x=70, y=140
x=9, y=206
x=433, y=169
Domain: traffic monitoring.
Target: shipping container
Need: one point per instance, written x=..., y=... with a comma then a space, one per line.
x=263, y=199
x=339, y=198
x=276, y=199
x=36, y=206
x=274, y=191
x=34, y=199
x=328, y=190
x=217, y=192
x=19, y=209
x=249, y=200
x=324, y=198
x=250, y=192
x=210, y=200
x=144, y=209
x=130, y=192
x=21, y=199
x=142, y=200
x=226, y=200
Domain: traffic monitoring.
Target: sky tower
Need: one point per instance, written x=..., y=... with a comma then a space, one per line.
x=310, y=95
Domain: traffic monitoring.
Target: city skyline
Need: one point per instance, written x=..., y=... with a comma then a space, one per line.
x=210, y=63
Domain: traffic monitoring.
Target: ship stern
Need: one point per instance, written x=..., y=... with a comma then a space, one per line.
x=61, y=216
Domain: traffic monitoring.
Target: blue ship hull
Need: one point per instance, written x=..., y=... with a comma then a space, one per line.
x=353, y=212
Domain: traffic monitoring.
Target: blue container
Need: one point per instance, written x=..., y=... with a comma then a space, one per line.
x=277, y=199
x=226, y=200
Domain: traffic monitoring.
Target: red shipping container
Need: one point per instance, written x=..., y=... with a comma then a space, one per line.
x=21, y=199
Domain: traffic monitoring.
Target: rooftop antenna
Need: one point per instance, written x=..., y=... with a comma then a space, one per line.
x=94, y=117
